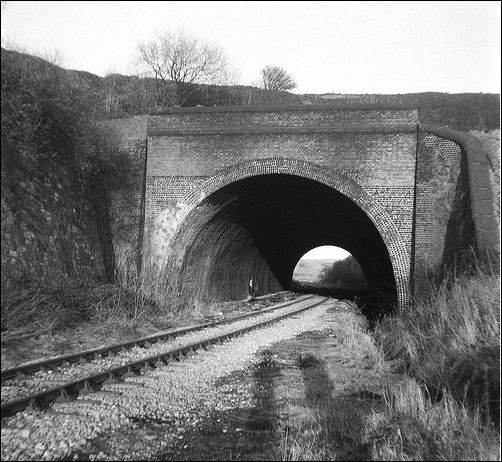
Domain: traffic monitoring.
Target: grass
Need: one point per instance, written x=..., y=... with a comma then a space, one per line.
x=450, y=339
x=442, y=396
x=415, y=428
x=40, y=321
x=448, y=345
x=27, y=305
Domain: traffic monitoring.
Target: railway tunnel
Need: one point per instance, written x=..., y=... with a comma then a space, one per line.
x=247, y=237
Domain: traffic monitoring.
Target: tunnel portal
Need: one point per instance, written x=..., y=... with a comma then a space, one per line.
x=201, y=198
x=247, y=237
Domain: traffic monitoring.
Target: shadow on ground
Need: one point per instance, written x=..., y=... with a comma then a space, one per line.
x=329, y=425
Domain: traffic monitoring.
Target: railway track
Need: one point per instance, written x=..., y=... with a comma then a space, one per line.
x=36, y=385
x=111, y=350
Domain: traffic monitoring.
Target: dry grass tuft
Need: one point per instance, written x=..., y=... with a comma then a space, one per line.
x=448, y=342
x=415, y=428
x=450, y=339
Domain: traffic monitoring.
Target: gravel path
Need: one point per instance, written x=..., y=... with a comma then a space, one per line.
x=44, y=380
x=170, y=399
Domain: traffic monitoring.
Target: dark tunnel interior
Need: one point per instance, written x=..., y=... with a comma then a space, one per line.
x=247, y=238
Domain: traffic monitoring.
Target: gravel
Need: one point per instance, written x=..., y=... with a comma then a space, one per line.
x=171, y=399
x=44, y=380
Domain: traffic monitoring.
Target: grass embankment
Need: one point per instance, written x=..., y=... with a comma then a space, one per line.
x=448, y=344
x=40, y=321
x=440, y=400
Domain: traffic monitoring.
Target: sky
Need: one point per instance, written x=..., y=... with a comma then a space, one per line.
x=327, y=47
x=330, y=252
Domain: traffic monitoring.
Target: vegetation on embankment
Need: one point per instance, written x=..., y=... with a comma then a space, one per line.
x=448, y=344
x=458, y=111
x=118, y=95
x=344, y=274
x=439, y=397
x=48, y=225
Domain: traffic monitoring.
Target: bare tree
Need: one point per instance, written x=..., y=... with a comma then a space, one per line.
x=276, y=78
x=53, y=56
x=184, y=60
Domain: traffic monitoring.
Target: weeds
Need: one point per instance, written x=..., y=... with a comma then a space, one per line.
x=38, y=320
x=450, y=340
x=415, y=428
x=36, y=307
x=448, y=343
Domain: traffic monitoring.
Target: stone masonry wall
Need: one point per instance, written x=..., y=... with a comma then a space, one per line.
x=456, y=224
x=49, y=234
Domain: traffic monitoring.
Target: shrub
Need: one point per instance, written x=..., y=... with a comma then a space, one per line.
x=344, y=274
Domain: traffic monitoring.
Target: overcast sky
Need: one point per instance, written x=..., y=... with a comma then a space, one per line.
x=326, y=252
x=341, y=47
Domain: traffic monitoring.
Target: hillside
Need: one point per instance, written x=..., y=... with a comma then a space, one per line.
x=459, y=111
x=116, y=96
x=52, y=170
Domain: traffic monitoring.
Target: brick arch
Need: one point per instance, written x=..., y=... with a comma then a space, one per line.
x=340, y=182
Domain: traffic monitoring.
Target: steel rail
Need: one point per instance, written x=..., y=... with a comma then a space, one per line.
x=93, y=382
x=89, y=355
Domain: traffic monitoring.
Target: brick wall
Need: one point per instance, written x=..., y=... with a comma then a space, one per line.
x=124, y=193
x=374, y=147
x=416, y=186
x=194, y=152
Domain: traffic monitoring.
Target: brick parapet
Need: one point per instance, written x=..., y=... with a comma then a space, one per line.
x=287, y=120
x=405, y=105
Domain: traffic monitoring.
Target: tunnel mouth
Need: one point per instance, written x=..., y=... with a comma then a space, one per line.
x=331, y=271
x=245, y=239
